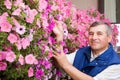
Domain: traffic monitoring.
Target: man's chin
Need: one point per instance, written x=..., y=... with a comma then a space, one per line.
x=95, y=47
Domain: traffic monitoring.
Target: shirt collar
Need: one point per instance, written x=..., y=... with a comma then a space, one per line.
x=94, y=56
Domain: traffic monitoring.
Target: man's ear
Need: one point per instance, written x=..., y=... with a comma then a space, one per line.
x=110, y=38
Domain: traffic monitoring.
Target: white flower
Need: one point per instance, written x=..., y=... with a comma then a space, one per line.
x=20, y=29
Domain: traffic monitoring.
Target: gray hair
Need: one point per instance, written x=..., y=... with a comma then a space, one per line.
x=108, y=27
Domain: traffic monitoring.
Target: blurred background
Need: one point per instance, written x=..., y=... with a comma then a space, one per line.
x=110, y=8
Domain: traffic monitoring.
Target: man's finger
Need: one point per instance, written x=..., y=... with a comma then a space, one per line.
x=55, y=53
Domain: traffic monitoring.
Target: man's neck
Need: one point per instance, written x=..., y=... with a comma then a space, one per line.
x=97, y=52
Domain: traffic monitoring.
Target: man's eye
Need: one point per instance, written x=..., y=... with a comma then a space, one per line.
x=90, y=33
x=99, y=34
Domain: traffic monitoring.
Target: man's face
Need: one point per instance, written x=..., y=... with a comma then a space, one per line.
x=98, y=38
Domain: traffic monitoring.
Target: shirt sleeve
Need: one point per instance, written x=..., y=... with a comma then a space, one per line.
x=71, y=56
x=110, y=73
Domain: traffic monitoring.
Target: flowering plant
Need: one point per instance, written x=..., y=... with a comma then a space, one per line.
x=27, y=40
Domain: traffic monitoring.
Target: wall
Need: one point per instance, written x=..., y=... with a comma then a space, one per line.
x=85, y=4
x=108, y=7
x=110, y=10
x=118, y=11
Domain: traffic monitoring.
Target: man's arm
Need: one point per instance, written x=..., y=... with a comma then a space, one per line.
x=70, y=69
x=62, y=60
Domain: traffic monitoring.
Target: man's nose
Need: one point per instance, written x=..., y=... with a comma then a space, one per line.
x=94, y=36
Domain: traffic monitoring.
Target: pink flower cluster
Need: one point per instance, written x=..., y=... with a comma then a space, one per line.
x=10, y=57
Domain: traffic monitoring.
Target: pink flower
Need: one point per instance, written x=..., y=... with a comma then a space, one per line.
x=22, y=43
x=12, y=38
x=16, y=23
x=21, y=59
x=30, y=37
x=39, y=73
x=54, y=7
x=3, y=66
x=30, y=72
x=10, y=56
x=30, y=15
x=2, y=55
x=18, y=2
x=8, y=4
x=35, y=61
x=50, y=54
x=47, y=64
x=42, y=5
x=45, y=22
x=29, y=59
x=3, y=18
x=51, y=40
x=18, y=44
x=17, y=12
x=6, y=26
x=25, y=42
